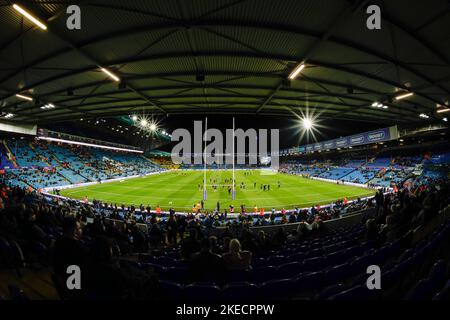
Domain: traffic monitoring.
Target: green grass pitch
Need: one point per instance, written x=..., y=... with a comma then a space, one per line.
x=180, y=190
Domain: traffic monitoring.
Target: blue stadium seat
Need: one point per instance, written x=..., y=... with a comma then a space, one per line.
x=329, y=291
x=296, y=257
x=200, y=291
x=330, y=248
x=147, y=258
x=317, y=252
x=354, y=251
x=405, y=266
x=438, y=272
x=275, y=260
x=336, y=258
x=16, y=293
x=238, y=276
x=277, y=289
x=6, y=253
x=396, y=248
x=41, y=252
x=240, y=291
x=428, y=287
x=313, y=264
x=308, y=283
x=259, y=262
x=289, y=270
x=177, y=274
x=444, y=294
x=159, y=269
x=360, y=292
x=336, y=274
x=361, y=263
x=17, y=254
x=381, y=255
x=390, y=278
x=366, y=246
x=264, y=274
x=166, y=261
x=421, y=291
x=171, y=290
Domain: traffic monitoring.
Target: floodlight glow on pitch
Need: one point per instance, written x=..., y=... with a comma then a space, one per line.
x=153, y=127
x=134, y=117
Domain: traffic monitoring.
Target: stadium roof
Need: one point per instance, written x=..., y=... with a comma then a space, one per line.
x=245, y=49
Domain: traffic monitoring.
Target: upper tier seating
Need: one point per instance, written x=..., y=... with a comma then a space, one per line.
x=335, y=173
x=61, y=164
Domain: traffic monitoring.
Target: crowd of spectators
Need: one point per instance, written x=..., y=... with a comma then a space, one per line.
x=45, y=164
x=73, y=233
x=375, y=172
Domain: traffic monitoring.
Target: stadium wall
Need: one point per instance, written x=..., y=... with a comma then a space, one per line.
x=341, y=182
x=84, y=184
x=345, y=221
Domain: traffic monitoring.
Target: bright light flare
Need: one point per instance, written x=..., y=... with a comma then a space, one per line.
x=111, y=75
x=403, y=96
x=29, y=16
x=296, y=71
x=307, y=123
x=146, y=124
x=21, y=96
x=143, y=122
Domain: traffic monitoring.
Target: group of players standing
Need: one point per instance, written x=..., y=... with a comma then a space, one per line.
x=229, y=185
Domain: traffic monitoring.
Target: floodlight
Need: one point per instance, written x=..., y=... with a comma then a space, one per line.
x=29, y=16
x=307, y=123
x=403, y=96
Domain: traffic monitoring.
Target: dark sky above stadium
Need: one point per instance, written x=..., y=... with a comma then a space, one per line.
x=290, y=128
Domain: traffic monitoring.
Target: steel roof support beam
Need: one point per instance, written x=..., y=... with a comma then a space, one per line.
x=280, y=28
x=87, y=56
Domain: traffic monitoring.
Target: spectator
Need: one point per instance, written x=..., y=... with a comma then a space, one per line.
x=236, y=259
x=105, y=279
x=207, y=265
x=292, y=237
x=263, y=241
x=248, y=243
x=70, y=251
x=172, y=228
x=371, y=230
x=190, y=245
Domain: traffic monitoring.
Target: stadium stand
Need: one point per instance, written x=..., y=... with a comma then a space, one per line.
x=404, y=235
x=42, y=164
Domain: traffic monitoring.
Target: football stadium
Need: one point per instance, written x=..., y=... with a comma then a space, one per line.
x=220, y=152
x=181, y=192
